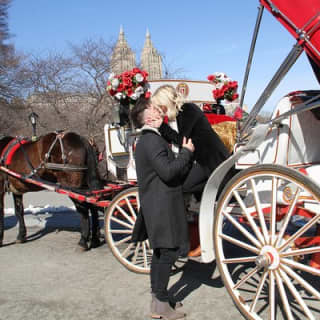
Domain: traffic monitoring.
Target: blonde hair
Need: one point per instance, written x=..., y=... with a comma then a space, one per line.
x=167, y=96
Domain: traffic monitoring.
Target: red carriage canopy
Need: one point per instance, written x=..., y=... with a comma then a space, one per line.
x=302, y=19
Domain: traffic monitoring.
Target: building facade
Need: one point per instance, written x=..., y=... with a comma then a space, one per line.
x=151, y=60
x=123, y=58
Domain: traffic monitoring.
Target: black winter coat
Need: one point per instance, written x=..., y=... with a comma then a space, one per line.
x=210, y=151
x=159, y=176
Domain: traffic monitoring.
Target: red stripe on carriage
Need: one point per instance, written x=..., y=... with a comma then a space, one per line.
x=72, y=195
x=103, y=203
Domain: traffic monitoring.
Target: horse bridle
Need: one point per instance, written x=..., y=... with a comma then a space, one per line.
x=59, y=166
x=59, y=137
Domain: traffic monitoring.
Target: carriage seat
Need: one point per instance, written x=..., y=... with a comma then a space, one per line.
x=225, y=127
x=120, y=161
x=116, y=152
x=294, y=143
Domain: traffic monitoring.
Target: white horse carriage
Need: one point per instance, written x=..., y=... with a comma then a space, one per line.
x=264, y=230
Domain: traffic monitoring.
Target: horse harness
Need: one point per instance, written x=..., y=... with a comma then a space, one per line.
x=11, y=148
x=7, y=153
x=64, y=166
x=18, y=143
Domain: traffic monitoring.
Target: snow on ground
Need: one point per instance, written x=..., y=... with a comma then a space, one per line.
x=44, y=209
x=47, y=216
x=40, y=210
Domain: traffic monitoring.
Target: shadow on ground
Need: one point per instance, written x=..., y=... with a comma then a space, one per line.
x=193, y=275
x=47, y=220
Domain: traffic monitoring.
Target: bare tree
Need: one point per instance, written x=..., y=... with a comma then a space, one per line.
x=11, y=71
x=14, y=118
x=14, y=76
x=13, y=80
x=52, y=90
x=170, y=71
x=91, y=59
x=4, y=30
x=70, y=92
x=67, y=92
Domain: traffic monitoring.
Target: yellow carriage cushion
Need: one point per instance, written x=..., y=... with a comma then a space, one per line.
x=227, y=131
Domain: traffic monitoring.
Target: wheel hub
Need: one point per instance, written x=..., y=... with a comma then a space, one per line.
x=268, y=258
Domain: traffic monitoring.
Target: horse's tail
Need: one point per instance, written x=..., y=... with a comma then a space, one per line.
x=93, y=180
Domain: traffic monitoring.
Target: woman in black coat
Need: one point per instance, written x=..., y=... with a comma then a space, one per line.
x=209, y=152
x=160, y=175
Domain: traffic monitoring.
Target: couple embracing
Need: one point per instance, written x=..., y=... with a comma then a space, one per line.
x=164, y=177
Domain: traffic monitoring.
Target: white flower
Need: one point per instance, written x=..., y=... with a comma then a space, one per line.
x=115, y=83
x=220, y=76
x=119, y=95
x=139, y=77
x=111, y=76
x=134, y=96
x=139, y=91
x=219, y=85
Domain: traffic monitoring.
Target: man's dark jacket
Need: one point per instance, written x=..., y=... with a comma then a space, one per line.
x=159, y=176
x=210, y=151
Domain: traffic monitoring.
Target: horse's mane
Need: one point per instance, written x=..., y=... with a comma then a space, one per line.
x=93, y=179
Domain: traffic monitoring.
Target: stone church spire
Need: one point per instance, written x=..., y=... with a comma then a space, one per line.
x=150, y=59
x=123, y=58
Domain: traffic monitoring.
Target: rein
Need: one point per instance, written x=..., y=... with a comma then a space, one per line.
x=63, y=167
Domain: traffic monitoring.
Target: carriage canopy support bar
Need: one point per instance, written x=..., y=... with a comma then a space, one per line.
x=302, y=19
x=253, y=44
x=282, y=71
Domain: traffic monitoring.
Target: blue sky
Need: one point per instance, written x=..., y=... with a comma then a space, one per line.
x=201, y=37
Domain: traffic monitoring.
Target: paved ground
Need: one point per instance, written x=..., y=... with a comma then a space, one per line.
x=48, y=278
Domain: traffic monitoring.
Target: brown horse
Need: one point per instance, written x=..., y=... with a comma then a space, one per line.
x=64, y=159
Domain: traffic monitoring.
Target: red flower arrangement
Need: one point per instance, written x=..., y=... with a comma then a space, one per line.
x=129, y=86
x=225, y=88
x=206, y=107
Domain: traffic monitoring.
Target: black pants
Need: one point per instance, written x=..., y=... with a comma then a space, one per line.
x=161, y=265
x=196, y=180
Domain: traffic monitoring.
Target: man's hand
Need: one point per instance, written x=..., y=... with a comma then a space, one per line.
x=152, y=117
x=187, y=143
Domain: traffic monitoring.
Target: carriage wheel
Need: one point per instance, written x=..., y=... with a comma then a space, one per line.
x=120, y=217
x=267, y=243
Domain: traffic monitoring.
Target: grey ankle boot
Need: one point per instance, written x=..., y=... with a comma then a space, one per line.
x=173, y=304
x=163, y=310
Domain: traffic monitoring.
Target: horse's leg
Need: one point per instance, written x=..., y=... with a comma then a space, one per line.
x=95, y=227
x=19, y=212
x=84, y=225
x=1, y=217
